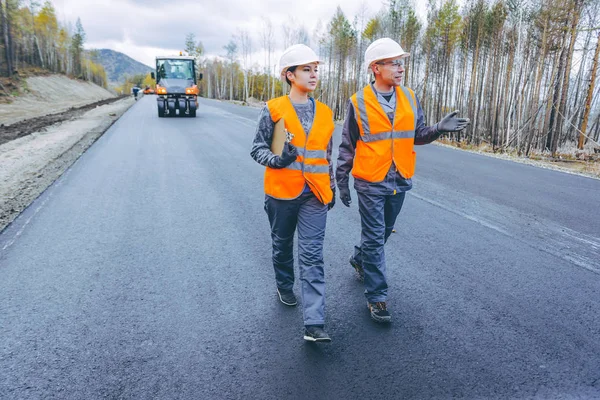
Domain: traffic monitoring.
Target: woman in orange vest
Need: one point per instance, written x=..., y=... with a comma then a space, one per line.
x=299, y=185
x=383, y=123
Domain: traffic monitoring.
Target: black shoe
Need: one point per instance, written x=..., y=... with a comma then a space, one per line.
x=287, y=297
x=379, y=312
x=315, y=334
x=360, y=272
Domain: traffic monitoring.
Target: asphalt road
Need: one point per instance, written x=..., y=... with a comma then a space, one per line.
x=144, y=273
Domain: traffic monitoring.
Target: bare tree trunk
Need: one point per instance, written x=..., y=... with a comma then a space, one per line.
x=461, y=93
x=6, y=36
x=551, y=100
x=336, y=109
x=553, y=128
x=492, y=87
x=425, y=100
x=223, y=86
x=473, y=83
x=574, y=108
x=412, y=67
x=231, y=82
x=538, y=85
x=509, y=96
x=576, y=11
x=37, y=45
x=596, y=125
x=267, y=39
x=330, y=75
x=588, y=99
x=485, y=98
x=208, y=84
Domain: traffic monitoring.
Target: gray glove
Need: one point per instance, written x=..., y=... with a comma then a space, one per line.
x=288, y=156
x=345, y=196
x=452, y=124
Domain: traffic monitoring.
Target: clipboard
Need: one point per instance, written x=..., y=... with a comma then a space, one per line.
x=279, y=137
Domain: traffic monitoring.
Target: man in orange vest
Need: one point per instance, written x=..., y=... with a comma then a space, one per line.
x=299, y=185
x=384, y=121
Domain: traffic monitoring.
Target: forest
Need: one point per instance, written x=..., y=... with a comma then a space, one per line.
x=523, y=71
x=32, y=37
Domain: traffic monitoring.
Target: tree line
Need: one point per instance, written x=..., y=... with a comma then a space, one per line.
x=32, y=36
x=523, y=71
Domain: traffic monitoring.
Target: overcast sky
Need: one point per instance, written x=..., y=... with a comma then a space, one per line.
x=143, y=29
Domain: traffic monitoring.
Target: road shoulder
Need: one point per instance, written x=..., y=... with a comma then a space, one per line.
x=30, y=164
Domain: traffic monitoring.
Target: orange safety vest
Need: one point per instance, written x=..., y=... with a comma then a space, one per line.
x=381, y=143
x=311, y=166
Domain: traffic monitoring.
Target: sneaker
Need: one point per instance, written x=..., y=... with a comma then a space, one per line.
x=287, y=297
x=360, y=272
x=315, y=334
x=379, y=312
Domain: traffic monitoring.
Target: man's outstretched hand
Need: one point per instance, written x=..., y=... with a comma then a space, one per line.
x=452, y=124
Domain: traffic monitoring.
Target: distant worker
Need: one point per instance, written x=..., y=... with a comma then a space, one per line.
x=299, y=185
x=383, y=122
x=135, y=91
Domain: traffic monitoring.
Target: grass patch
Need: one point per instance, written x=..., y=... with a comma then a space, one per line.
x=568, y=157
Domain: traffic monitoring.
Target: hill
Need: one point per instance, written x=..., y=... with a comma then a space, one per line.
x=118, y=65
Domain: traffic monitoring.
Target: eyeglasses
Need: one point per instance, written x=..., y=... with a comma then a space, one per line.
x=395, y=64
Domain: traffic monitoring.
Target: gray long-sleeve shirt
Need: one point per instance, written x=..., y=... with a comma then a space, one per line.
x=393, y=181
x=261, y=146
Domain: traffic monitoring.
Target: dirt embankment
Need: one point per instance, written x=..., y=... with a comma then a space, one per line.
x=29, y=126
x=50, y=95
x=69, y=116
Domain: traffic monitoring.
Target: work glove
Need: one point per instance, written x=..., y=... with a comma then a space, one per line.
x=452, y=124
x=332, y=203
x=345, y=196
x=288, y=156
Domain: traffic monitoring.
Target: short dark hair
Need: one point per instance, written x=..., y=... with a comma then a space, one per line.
x=290, y=69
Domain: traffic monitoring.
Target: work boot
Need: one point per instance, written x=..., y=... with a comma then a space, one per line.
x=287, y=297
x=379, y=312
x=315, y=333
x=360, y=272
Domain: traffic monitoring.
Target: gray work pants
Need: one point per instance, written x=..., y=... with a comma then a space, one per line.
x=309, y=215
x=377, y=216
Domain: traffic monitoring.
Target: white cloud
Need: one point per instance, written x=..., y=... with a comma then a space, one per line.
x=143, y=29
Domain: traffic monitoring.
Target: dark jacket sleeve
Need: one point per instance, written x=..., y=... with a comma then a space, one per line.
x=350, y=135
x=329, y=151
x=424, y=134
x=261, y=147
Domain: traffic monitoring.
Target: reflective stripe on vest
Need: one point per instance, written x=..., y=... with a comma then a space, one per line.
x=382, y=143
x=311, y=166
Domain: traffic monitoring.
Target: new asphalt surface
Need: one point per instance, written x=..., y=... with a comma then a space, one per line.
x=145, y=272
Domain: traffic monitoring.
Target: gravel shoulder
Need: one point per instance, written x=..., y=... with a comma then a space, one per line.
x=590, y=169
x=29, y=164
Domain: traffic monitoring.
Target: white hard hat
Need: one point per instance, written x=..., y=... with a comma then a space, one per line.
x=381, y=49
x=298, y=54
